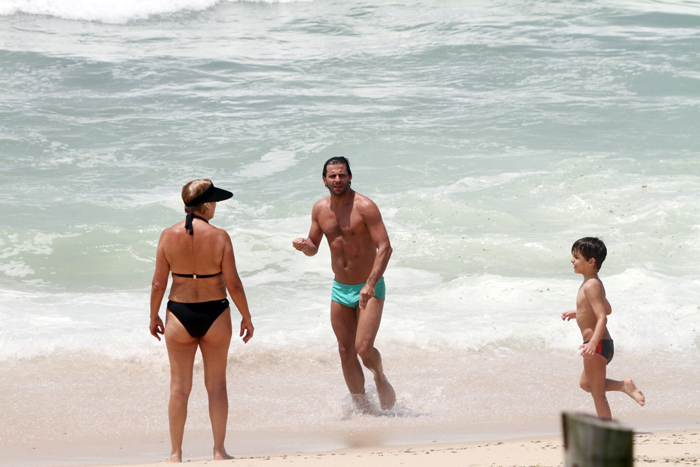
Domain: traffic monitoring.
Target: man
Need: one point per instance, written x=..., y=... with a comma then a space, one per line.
x=360, y=251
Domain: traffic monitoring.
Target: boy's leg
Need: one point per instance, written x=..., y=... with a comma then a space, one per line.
x=594, y=369
x=627, y=386
x=631, y=389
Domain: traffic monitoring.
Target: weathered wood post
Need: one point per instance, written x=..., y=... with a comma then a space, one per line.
x=591, y=442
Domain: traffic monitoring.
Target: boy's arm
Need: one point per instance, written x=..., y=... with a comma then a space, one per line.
x=568, y=315
x=594, y=294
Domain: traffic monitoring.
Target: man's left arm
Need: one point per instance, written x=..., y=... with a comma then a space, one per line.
x=377, y=230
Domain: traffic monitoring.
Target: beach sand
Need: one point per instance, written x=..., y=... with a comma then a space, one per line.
x=667, y=447
x=81, y=415
x=679, y=448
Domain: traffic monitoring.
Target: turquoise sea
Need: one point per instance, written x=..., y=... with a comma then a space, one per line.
x=491, y=134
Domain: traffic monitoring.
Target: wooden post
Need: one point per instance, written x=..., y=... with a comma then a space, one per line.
x=591, y=442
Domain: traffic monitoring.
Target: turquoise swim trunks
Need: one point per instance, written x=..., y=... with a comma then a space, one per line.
x=349, y=294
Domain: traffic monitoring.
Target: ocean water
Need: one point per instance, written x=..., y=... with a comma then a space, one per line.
x=491, y=134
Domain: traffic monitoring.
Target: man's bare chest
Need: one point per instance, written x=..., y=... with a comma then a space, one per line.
x=345, y=226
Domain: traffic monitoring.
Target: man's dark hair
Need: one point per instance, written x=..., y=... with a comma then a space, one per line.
x=591, y=247
x=335, y=161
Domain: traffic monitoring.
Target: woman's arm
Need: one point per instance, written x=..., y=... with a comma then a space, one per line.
x=158, y=287
x=235, y=289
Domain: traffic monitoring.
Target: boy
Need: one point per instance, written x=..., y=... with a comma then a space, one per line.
x=591, y=313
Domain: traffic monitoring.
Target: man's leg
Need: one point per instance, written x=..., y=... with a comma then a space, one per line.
x=368, y=323
x=214, y=346
x=594, y=369
x=344, y=322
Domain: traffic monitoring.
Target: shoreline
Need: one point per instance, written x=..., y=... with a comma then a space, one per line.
x=71, y=411
x=373, y=447
x=677, y=447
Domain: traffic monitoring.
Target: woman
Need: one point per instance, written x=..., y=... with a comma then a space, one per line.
x=201, y=259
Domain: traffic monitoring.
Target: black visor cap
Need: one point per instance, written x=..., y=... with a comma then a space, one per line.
x=210, y=195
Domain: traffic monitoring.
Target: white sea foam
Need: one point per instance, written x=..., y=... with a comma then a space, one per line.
x=688, y=7
x=271, y=163
x=110, y=12
x=106, y=11
x=473, y=313
x=16, y=269
x=30, y=244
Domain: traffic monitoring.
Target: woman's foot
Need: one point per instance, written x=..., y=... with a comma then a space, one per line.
x=221, y=455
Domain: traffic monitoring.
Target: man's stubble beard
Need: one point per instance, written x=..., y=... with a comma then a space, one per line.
x=345, y=189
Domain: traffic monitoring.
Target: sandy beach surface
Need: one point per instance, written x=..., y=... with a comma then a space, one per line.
x=678, y=448
x=666, y=447
x=80, y=414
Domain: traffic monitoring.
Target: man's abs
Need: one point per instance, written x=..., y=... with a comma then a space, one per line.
x=352, y=273
x=352, y=262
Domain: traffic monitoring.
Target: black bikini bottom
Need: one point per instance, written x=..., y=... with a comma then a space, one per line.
x=198, y=317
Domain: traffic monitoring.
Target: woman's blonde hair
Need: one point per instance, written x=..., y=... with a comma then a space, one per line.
x=193, y=189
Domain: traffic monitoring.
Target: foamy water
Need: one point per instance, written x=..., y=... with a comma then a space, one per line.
x=490, y=134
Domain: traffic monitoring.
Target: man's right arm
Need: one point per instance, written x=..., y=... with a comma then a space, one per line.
x=309, y=245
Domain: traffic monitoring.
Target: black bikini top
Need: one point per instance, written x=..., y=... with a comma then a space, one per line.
x=188, y=222
x=197, y=276
x=190, y=230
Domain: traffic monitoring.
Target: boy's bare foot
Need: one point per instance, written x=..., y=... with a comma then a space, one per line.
x=221, y=455
x=387, y=396
x=633, y=391
x=174, y=458
x=361, y=403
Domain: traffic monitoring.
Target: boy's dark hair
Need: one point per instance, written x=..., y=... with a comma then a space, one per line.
x=591, y=247
x=335, y=161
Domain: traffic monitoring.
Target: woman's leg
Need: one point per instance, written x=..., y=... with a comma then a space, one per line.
x=214, y=346
x=181, y=350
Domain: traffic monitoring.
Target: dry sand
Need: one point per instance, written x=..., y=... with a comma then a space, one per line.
x=673, y=447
